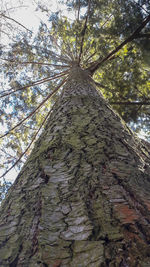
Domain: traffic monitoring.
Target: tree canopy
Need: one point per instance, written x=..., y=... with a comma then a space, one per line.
x=111, y=39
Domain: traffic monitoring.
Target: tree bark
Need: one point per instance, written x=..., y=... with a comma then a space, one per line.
x=83, y=196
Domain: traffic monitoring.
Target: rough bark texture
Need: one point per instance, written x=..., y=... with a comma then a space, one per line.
x=83, y=196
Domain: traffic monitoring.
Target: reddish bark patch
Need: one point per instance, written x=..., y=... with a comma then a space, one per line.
x=132, y=236
x=57, y=263
x=126, y=214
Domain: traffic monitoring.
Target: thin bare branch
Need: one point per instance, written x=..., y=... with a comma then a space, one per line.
x=70, y=54
x=78, y=16
x=12, y=90
x=9, y=18
x=87, y=60
x=59, y=57
x=130, y=103
x=54, y=41
x=36, y=83
x=84, y=30
x=107, y=20
x=34, y=62
x=28, y=147
x=35, y=110
x=96, y=65
x=53, y=54
x=141, y=7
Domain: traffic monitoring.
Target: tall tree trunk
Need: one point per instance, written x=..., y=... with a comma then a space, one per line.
x=83, y=196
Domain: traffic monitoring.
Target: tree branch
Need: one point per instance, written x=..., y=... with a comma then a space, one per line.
x=130, y=103
x=141, y=7
x=36, y=83
x=84, y=30
x=15, y=22
x=34, y=62
x=96, y=65
x=35, y=110
x=78, y=11
x=107, y=20
x=34, y=137
x=87, y=60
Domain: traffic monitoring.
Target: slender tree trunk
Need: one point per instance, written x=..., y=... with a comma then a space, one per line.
x=83, y=196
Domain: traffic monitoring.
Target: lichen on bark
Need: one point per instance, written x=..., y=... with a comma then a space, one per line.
x=83, y=196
